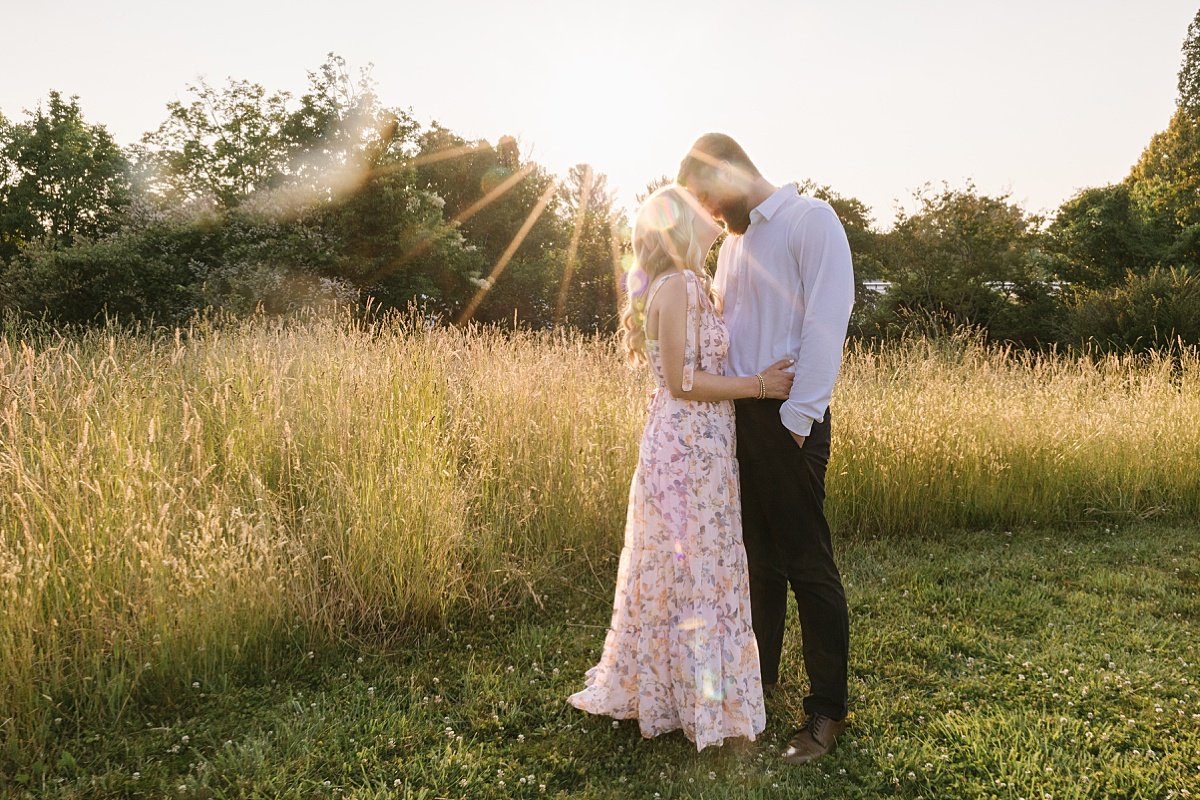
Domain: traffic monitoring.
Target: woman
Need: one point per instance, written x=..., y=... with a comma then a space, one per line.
x=680, y=651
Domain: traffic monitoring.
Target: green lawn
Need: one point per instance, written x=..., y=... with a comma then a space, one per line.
x=1032, y=664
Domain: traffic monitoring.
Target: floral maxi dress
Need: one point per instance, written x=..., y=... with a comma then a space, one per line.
x=680, y=651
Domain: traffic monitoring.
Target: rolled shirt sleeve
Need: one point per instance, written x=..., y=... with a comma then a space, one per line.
x=822, y=254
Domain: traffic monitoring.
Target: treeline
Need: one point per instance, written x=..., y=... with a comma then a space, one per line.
x=1115, y=266
x=244, y=199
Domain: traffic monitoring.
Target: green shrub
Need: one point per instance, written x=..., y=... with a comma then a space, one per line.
x=1152, y=311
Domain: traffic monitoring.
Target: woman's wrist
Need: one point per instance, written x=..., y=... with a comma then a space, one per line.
x=754, y=387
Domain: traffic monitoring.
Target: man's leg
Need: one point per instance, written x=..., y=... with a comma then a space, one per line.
x=791, y=498
x=768, y=582
x=817, y=583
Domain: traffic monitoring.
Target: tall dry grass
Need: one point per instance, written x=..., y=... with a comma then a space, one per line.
x=174, y=507
x=186, y=506
x=933, y=435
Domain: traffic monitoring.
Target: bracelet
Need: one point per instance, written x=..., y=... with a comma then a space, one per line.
x=762, y=387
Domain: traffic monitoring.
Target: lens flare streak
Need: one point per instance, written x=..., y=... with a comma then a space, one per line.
x=508, y=253
x=428, y=241
x=585, y=195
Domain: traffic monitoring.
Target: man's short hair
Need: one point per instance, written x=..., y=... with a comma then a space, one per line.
x=709, y=151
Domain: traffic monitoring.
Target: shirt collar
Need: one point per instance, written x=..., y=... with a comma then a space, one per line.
x=767, y=208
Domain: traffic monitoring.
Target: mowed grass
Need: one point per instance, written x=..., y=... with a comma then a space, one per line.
x=207, y=506
x=1029, y=664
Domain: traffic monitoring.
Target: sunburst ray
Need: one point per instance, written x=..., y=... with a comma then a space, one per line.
x=585, y=195
x=506, y=256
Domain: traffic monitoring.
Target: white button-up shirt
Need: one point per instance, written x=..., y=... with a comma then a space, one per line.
x=788, y=287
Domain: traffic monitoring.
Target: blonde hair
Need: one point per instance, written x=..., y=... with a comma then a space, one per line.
x=664, y=238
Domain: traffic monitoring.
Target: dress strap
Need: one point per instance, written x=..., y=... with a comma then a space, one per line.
x=691, y=348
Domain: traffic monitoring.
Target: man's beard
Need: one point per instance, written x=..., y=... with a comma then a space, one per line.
x=735, y=215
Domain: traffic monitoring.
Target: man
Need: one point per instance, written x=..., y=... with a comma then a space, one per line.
x=787, y=282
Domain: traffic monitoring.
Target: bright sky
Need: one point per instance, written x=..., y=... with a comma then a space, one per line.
x=874, y=97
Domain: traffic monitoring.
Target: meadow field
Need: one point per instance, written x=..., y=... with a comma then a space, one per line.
x=360, y=558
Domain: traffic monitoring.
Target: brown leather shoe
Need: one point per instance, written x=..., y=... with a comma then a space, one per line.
x=818, y=737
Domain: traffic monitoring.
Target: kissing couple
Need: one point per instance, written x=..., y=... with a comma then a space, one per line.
x=726, y=506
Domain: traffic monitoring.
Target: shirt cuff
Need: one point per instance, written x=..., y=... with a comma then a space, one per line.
x=794, y=421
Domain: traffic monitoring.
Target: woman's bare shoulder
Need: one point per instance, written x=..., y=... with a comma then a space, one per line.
x=667, y=291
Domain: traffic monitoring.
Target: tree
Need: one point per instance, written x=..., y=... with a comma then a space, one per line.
x=227, y=145
x=322, y=191
x=10, y=235
x=489, y=194
x=62, y=180
x=965, y=258
x=587, y=295
x=1103, y=232
x=335, y=115
x=257, y=199
x=220, y=147
x=391, y=239
x=340, y=136
x=1166, y=179
x=1165, y=182
x=1189, y=70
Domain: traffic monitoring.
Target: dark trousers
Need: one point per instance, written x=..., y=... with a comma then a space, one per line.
x=788, y=543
